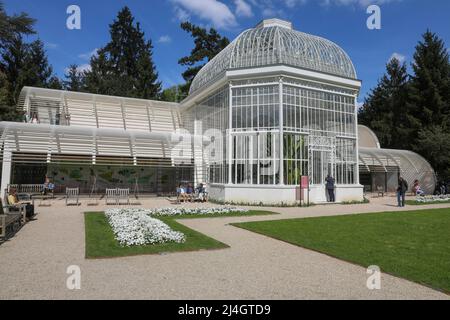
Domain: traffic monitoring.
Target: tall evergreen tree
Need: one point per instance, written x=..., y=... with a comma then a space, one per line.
x=27, y=65
x=430, y=102
x=430, y=84
x=386, y=109
x=11, y=27
x=124, y=67
x=207, y=45
x=74, y=79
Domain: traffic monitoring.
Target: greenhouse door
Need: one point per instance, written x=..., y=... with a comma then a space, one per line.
x=322, y=153
x=322, y=166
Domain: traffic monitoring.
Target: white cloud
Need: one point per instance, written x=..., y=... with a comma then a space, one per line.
x=359, y=105
x=51, y=45
x=165, y=39
x=361, y=3
x=400, y=57
x=243, y=9
x=81, y=69
x=88, y=55
x=213, y=11
x=181, y=14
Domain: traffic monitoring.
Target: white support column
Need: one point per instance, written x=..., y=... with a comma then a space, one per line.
x=357, y=181
x=230, y=137
x=197, y=141
x=6, y=170
x=281, y=132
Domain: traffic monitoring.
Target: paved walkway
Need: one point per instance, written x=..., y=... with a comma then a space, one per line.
x=33, y=264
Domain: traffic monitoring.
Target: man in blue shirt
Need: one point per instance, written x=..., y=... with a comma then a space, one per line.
x=330, y=188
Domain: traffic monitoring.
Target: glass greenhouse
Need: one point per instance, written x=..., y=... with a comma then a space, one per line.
x=277, y=104
x=274, y=106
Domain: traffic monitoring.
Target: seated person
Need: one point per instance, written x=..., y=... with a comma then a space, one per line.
x=190, y=192
x=417, y=189
x=202, y=192
x=14, y=202
x=181, y=193
x=51, y=188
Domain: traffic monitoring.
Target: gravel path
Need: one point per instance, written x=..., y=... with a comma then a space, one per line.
x=34, y=263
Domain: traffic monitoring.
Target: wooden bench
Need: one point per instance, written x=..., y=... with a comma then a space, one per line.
x=11, y=221
x=72, y=195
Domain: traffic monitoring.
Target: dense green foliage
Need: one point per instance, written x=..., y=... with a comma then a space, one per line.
x=413, y=111
x=124, y=67
x=413, y=245
x=207, y=45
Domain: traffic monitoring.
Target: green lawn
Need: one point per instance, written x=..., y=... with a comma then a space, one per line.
x=413, y=245
x=100, y=241
x=238, y=214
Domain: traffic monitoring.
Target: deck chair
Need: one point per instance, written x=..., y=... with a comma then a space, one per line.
x=111, y=196
x=123, y=196
x=72, y=196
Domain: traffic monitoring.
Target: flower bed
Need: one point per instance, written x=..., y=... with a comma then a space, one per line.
x=134, y=227
x=196, y=211
x=433, y=199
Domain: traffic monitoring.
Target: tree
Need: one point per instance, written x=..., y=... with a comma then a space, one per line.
x=75, y=79
x=26, y=65
x=11, y=27
x=124, y=67
x=430, y=102
x=173, y=94
x=385, y=110
x=207, y=45
x=430, y=84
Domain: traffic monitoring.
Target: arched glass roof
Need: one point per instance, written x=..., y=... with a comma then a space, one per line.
x=274, y=42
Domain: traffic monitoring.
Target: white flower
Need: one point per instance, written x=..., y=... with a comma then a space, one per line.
x=195, y=211
x=134, y=227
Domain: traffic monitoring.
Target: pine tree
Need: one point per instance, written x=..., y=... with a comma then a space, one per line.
x=430, y=102
x=13, y=58
x=207, y=45
x=11, y=26
x=75, y=79
x=124, y=67
x=27, y=65
x=385, y=110
x=430, y=85
x=37, y=70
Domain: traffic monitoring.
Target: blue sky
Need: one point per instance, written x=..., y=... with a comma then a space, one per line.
x=342, y=21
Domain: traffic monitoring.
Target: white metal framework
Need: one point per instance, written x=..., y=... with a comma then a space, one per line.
x=275, y=105
x=274, y=42
x=65, y=108
x=387, y=165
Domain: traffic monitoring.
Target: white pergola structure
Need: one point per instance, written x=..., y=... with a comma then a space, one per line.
x=85, y=129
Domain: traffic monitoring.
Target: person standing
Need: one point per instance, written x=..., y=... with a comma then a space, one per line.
x=401, y=191
x=330, y=188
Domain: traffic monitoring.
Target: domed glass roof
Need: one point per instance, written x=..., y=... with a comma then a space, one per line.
x=274, y=42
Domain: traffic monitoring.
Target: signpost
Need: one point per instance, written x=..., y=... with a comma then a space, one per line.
x=304, y=185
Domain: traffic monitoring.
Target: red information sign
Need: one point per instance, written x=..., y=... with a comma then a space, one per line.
x=304, y=185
